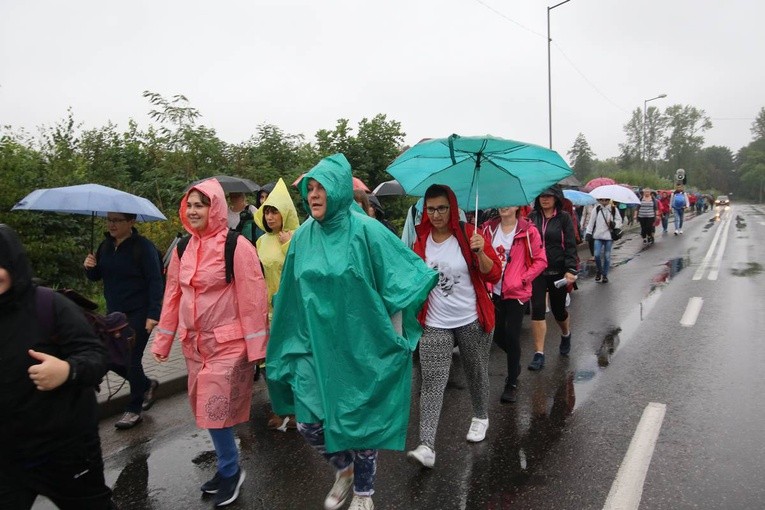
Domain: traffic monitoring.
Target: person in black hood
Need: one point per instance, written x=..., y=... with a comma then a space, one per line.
x=557, y=229
x=49, y=440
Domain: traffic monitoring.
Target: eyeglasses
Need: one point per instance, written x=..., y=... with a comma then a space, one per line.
x=116, y=220
x=441, y=209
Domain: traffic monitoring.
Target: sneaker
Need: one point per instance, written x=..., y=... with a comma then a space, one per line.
x=538, y=362
x=565, y=342
x=211, y=486
x=605, y=279
x=361, y=503
x=598, y=276
x=650, y=239
x=510, y=393
x=422, y=454
x=677, y=232
x=477, y=431
x=151, y=395
x=340, y=490
x=680, y=231
x=128, y=421
x=228, y=489
x=645, y=241
x=276, y=422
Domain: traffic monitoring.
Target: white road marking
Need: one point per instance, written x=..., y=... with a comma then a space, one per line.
x=627, y=488
x=716, y=266
x=692, y=312
x=699, y=274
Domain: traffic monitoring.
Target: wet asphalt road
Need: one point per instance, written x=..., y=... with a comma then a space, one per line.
x=561, y=444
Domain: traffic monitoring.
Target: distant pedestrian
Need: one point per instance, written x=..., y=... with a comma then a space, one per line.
x=680, y=202
x=221, y=325
x=604, y=218
x=664, y=210
x=519, y=247
x=647, y=213
x=130, y=267
x=51, y=363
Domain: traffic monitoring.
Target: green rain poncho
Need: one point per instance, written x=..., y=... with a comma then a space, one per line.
x=334, y=356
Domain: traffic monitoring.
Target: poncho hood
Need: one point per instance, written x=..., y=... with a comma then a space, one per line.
x=334, y=173
x=280, y=199
x=217, y=220
x=13, y=258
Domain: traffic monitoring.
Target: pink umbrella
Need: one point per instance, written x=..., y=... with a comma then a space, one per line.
x=598, y=181
x=357, y=183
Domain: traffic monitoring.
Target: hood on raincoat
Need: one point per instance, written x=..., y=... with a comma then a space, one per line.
x=13, y=258
x=555, y=191
x=281, y=200
x=334, y=173
x=217, y=219
x=454, y=218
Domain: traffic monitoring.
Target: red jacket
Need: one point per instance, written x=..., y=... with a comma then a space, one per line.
x=525, y=261
x=485, y=307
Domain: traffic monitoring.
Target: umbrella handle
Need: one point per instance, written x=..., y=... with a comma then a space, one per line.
x=92, y=228
x=477, y=175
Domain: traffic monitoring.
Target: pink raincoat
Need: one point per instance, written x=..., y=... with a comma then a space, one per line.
x=221, y=326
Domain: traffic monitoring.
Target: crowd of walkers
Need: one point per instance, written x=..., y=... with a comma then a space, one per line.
x=330, y=310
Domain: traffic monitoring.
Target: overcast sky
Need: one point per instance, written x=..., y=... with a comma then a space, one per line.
x=470, y=67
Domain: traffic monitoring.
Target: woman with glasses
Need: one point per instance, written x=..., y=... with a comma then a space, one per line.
x=458, y=312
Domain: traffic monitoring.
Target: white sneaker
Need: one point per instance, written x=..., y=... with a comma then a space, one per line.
x=361, y=503
x=477, y=432
x=340, y=490
x=680, y=231
x=424, y=455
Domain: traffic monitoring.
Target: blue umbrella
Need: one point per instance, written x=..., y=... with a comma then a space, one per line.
x=579, y=197
x=483, y=171
x=91, y=200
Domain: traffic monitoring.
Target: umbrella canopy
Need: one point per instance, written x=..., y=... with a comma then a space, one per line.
x=389, y=188
x=357, y=183
x=483, y=171
x=598, y=181
x=231, y=184
x=570, y=182
x=579, y=197
x=616, y=193
x=91, y=200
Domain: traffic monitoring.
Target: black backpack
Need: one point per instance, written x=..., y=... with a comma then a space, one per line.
x=228, y=251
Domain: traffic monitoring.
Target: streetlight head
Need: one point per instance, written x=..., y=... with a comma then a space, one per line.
x=662, y=95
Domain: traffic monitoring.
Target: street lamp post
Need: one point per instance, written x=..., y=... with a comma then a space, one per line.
x=645, y=106
x=549, y=73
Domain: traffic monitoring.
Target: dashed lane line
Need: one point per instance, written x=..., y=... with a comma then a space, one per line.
x=692, y=311
x=627, y=488
x=718, y=260
x=699, y=274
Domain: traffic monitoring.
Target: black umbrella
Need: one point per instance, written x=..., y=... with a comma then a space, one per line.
x=231, y=184
x=389, y=188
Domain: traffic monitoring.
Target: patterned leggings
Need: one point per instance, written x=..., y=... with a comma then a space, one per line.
x=364, y=461
x=436, y=347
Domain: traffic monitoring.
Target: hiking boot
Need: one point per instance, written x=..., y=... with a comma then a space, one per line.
x=538, y=362
x=340, y=490
x=361, y=503
x=151, y=395
x=422, y=454
x=211, y=486
x=128, y=421
x=228, y=489
x=276, y=422
x=565, y=342
x=477, y=431
x=510, y=393
x=598, y=276
x=291, y=422
x=604, y=280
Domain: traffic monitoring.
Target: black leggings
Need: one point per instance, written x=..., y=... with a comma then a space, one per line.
x=646, y=226
x=540, y=287
x=507, y=333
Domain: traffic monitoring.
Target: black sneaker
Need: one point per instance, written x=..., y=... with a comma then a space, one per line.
x=228, y=489
x=565, y=343
x=151, y=395
x=538, y=362
x=598, y=276
x=604, y=280
x=510, y=394
x=212, y=486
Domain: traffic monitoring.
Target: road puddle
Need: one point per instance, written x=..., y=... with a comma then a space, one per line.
x=752, y=269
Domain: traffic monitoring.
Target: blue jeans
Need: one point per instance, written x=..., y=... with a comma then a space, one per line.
x=226, y=451
x=678, y=218
x=665, y=221
x=603, y=247
x=364, y=461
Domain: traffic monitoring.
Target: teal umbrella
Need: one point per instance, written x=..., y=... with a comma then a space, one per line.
x=483, y=171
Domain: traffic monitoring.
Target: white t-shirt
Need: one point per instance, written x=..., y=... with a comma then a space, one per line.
x=452, y=303
x=501, y=243
x=233, y=217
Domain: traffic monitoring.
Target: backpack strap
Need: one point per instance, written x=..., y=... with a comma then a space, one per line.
x=46, y=316
x=182, y=244
x=228, y=251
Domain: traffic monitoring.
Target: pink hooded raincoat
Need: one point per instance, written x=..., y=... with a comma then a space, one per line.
x=221, y=326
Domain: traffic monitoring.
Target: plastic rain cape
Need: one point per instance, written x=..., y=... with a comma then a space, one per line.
x=334, y=356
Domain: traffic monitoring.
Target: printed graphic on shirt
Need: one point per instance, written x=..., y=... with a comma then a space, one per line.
x=447, y=278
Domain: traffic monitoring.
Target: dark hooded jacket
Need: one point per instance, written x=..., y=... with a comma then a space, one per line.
x=558, y=235
x=485, y=307
x=33, y=422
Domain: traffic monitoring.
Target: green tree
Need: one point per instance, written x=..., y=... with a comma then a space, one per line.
x=653, y=139
x=758, y=126
x=630, y=150
x=715, y=169
x=686, y=125
x=581, y=157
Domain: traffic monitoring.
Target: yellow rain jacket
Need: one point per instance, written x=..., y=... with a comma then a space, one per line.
x=270, y=250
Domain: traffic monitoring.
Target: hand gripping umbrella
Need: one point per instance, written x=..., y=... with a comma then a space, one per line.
x=481, y=170
x=91, y=200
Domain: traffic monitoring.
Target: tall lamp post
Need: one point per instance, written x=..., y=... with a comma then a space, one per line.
x=549, y=73
x=645, y=106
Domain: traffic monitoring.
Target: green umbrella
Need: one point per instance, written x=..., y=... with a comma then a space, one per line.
x=483, y=171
